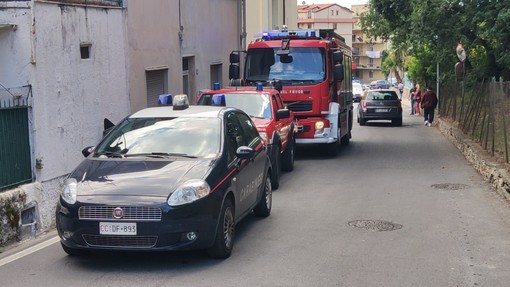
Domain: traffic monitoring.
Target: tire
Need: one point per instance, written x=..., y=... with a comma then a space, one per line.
x=72, y=251
x=345, y=140
x=225, y=233
x=275, y=172
x=362, y=122
x=263, y=207
x=397, y=122
x=288, y=155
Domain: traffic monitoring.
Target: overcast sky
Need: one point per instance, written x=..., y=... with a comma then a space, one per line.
x=345, y=3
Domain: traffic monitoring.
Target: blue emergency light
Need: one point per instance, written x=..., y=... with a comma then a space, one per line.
x=218, y=100
x=259, y=86
x=165, y=100
x=216, y=86
x=300, y=34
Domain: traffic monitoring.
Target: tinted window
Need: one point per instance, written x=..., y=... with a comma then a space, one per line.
x=382, y=96
x=250, y=131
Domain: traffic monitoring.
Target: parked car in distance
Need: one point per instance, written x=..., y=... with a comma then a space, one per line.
x=382, y=104
x=167, y=179
x=357, y=91
x=380, y=84
x=356, y=80
x=274, y=121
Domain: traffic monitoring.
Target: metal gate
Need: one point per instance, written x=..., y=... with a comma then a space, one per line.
x=15, y=156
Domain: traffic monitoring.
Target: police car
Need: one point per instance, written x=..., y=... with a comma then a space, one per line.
x=167, y=178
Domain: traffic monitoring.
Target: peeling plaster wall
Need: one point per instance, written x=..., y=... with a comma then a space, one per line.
x=71, y=95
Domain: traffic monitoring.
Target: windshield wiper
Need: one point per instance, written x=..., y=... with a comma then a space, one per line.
x=110, y=154
x=160, y=154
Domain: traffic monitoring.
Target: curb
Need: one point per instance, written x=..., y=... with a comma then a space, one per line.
x=492, y=171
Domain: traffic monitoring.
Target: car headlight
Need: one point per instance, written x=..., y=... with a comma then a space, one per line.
x=263, y=135
x=70, y=190
x=319, y=127
x=188, y=192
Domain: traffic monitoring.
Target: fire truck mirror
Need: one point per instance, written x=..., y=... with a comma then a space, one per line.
x=339, y=72
x=338, y=57
x=233, y=71
x=286, y=59
x=234, y=58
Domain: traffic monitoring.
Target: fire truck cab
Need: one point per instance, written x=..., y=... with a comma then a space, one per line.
x=311, y=66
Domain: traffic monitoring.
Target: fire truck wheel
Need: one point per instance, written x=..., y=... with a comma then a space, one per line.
x=345, y=139
x=275, y=174
x=288, y=156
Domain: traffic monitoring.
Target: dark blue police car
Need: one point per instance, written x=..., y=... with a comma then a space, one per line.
x=167, y=178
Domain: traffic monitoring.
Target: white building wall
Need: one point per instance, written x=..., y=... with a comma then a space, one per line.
x=71, y=96
x=260, y=15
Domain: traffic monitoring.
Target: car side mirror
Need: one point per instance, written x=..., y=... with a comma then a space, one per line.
x=282, y=114
x=244, y=152
x=87, y=151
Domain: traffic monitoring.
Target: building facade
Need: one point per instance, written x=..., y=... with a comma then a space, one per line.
x=327, y=16
x=269, y=15
x=367, y=53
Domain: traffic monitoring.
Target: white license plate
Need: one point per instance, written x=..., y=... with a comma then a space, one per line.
x=382, y=110
x=117, y=228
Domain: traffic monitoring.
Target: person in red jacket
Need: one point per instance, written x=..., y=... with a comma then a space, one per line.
x=417, y=100
x=428, y=104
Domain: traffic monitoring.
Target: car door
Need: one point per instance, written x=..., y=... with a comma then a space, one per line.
x=249, y=175
x=282, y=125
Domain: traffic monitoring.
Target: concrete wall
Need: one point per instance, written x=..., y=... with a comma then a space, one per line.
x=71, y=95
x=210, y=31
x=265, y=15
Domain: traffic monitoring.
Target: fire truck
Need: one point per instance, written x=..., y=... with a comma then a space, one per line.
x=314, y=68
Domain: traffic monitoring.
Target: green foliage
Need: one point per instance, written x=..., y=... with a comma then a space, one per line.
x=429, y=30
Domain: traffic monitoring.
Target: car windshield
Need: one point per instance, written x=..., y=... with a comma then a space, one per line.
x=382, y=96
x=302, y=64
x=255, y=105
x=159, y=137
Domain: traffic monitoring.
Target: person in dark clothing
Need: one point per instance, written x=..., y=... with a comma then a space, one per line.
x=411, y=98
x=428, y=104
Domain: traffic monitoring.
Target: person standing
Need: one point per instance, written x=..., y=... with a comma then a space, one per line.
x=401, y=89
x=417, y=100
x=429, y=104
x=411, y=98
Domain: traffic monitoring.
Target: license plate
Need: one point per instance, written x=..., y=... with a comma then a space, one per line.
x=117, y=228
x=382, y=110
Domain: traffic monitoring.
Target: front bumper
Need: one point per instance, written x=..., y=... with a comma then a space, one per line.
x=171, y=232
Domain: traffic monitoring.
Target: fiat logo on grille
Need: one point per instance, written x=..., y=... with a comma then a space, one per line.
x=118, y=213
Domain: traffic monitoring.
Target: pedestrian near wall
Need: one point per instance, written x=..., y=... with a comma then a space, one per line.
x=401, y=89
x=429, y=104
x=411, y=98
x=417, y=100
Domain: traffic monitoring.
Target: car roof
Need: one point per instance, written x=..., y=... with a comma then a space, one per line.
x=241, y=90
x=168, y=111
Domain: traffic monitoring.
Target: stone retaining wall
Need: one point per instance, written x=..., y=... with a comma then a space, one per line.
x=493, y=172
x=11, y=204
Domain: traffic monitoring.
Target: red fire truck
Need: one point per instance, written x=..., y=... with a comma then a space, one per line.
x=311, y=65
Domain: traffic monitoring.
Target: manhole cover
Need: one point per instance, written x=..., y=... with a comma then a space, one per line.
x=450, y=186
x=375, y=225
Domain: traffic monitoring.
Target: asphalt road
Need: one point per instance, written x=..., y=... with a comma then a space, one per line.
x=400, y=206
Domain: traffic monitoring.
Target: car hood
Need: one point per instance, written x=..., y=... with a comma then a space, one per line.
x=261, y=124
x=130, y=177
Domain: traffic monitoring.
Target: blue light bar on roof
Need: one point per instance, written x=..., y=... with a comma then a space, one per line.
x=218, y=100
x=298, y=34
x=165, y=100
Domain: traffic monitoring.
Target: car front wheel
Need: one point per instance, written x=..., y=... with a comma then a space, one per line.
x=263, y=207
x=288, y=155
x=224, y=240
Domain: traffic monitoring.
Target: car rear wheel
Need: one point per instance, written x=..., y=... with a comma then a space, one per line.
x=263, y=207
x=362, y=122
x=288, y=155
x=224, y=240
x=397, y=122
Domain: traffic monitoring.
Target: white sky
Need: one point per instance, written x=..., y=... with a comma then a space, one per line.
x=345, y=3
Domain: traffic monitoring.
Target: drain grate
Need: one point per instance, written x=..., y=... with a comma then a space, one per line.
x=450, y=186
x=375, y=225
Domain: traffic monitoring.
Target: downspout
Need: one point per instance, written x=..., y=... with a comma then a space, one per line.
x=284, y=16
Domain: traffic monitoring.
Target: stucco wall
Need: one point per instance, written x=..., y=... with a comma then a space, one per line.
x=72, y=96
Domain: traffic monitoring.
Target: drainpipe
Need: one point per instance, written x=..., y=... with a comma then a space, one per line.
x=284, y=17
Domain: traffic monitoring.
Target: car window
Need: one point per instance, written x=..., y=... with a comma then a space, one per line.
x=250, y=131
x=198, y=137
x=382, y=96
x=234, y=136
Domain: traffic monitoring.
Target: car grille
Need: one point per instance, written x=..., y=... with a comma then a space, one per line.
x=300, y=106
x=137, y=213
x=120, y=241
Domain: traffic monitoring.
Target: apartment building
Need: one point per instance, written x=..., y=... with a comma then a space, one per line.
x=367, y=53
